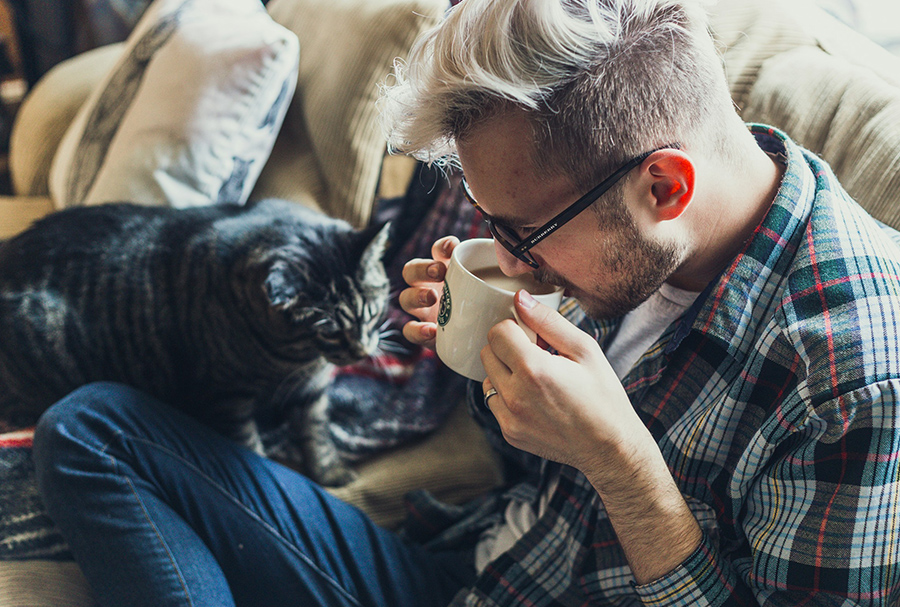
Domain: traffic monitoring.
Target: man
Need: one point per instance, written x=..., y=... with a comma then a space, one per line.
x=719, y=429
x=758, y=399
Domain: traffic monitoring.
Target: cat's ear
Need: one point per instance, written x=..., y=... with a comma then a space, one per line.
x=375, y=239
x=283, y=284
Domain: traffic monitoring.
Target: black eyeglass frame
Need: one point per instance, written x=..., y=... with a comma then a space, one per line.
x=520, y=249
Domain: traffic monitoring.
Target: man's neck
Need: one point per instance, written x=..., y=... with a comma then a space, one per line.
x=731, y=208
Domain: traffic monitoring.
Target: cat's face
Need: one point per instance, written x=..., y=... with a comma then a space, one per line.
x=348, y=328
x=336, y=302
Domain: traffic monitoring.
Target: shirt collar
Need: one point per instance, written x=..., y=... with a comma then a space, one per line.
x=732, y=307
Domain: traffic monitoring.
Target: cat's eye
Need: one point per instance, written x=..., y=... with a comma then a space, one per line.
x=327, y=326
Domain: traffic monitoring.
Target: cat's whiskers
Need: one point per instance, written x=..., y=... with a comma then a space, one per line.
x=391, y=347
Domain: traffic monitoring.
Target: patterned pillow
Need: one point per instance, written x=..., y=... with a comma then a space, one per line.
x=189, y=113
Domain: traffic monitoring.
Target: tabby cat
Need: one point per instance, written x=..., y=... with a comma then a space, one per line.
x=224, y=312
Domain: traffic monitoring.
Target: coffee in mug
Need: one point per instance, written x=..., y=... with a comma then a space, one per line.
x=476, y=296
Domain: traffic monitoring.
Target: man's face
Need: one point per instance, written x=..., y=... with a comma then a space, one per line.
x=602, y=259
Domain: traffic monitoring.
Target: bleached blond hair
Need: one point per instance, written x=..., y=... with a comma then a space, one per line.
x=601, y=80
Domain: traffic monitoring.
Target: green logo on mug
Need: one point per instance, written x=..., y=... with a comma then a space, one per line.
x=445, y=309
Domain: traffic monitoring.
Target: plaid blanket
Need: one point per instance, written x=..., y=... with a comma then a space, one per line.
x=26, y=532
x=380, y=403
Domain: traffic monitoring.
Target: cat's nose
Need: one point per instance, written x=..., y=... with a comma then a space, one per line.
x=366, y=347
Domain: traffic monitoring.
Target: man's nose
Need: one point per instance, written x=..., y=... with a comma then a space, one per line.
x=509, y=263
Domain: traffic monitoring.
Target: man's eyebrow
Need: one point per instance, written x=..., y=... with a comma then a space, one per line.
x=511, y=221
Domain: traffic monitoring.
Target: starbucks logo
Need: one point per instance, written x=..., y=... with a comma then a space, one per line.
x=446, y=307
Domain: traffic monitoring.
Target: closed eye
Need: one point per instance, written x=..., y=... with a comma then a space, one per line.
x=334, y=338
x=372, y=309
x=326, y=326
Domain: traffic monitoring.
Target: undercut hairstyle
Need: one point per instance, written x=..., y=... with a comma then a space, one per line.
x=601, y=81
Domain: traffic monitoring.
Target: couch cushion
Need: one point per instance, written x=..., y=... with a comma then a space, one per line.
x=855, y=123
x=793, y=66
x=19, y=212
x=188, y=114
x=48, y=111
x=331, y=146
x=455, y=464
x=748, y=33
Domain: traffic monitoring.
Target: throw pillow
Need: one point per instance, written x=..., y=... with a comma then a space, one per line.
x=189, y=113
x=331, y=146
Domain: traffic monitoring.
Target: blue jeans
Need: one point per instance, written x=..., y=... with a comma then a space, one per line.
x=159, y=510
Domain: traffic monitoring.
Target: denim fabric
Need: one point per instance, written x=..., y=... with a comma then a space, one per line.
x=159, y=510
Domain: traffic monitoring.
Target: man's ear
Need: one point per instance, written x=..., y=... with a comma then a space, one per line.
x=673, y=175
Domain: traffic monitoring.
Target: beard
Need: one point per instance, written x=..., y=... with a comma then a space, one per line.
x=629, y=269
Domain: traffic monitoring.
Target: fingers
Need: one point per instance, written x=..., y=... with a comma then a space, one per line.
x=424, y=271
x=424, y=277
x=511, y=347
x=420, y=333
x=553, y=328
x=417, y=300
x=443, y=248
x=420, y=271
x=487, y=386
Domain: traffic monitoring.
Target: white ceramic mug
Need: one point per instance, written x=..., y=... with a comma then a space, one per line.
x=476, y=296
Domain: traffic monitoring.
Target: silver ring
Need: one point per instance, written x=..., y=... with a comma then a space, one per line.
x=488, y=394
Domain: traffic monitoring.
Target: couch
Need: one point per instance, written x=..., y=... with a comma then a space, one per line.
x=788, y=64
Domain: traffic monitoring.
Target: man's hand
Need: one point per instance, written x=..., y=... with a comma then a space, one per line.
x=425, y=277
x=571, y=408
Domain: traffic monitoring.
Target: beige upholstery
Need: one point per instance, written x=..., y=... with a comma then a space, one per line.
x=834, y=91
x=332, y=126
x=329, y=154
x=452, y=464
x=46, y=114
x=330, y=150
x=43, y=584
x=18, y=212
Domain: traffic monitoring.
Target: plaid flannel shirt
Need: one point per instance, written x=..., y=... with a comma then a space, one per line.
x=774, y=401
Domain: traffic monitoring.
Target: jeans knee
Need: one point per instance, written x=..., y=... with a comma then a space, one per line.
x=73, y=419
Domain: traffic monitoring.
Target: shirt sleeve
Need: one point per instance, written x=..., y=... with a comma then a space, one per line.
x=699, y=581
x=819, y=521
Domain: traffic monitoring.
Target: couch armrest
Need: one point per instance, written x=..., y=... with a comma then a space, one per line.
x=46, y=113
x=18, y=212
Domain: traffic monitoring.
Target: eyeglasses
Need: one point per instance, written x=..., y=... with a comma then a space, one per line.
x=519, y=247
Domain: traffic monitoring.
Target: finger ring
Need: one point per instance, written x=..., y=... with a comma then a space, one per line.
x=488, y=394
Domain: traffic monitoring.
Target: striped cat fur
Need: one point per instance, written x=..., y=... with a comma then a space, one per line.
x=224, y=312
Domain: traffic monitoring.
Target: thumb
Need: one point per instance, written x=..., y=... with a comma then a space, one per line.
x=551, y=326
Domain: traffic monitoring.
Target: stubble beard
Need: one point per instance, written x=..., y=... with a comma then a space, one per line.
x=638, y=268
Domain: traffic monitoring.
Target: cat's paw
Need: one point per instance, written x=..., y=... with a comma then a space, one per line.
x=336, y=475
x=287, y=454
